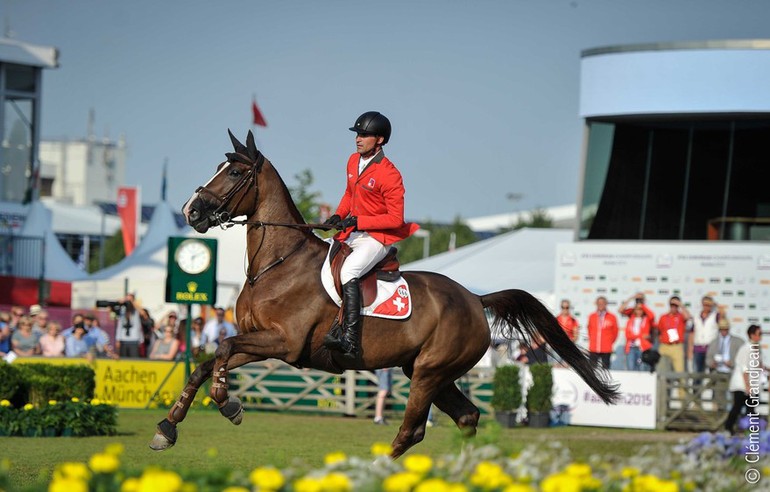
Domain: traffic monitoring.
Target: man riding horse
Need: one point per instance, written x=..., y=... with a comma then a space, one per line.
x=373, y=211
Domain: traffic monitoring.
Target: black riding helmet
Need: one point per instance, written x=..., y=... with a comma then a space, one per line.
x=373, y=123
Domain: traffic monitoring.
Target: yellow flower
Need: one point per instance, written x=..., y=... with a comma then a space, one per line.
x=432, y=485
x=267, y=478
x=52, y=402
x=103, y=463
x=401, y=482
x=579, y=470
x=68, y=485
x=206, y=401
x=235, y=489
x=519, y=487
x=212, y=452
x=167, y=402
x=115, y=449
x=307, y=484
x=96, y=401
x=130, y=485
x=560, y=482
x=381, y=449
x=5, y=403
x=334, y=458
x=336, y=482
x=75, y=399
x=458, y=487
x=70, y=469
x=156, y=480
x=629, y=472
x=488, y=475
x=689, y=486
x=418, y=463
x=29, y=406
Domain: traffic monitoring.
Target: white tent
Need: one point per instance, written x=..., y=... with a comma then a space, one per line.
x=523, y=259
x=57, y=264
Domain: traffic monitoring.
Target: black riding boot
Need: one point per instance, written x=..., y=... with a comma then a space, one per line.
x=350, y=341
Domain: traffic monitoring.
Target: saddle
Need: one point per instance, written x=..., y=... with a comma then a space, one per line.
x=386, y=269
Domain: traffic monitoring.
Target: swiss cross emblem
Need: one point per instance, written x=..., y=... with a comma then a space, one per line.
x=399, y=304
x=371, y=183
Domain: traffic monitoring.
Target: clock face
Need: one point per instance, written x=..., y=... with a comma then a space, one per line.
x=193, y=256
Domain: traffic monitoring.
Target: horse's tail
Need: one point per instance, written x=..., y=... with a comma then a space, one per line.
x=518, y=312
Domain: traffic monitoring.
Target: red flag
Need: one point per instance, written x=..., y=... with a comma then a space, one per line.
x=258, y=118
x=128, y=210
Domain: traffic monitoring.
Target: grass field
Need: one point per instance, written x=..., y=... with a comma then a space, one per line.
x=279, y=438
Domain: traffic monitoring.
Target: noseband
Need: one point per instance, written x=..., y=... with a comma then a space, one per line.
x=221, y=215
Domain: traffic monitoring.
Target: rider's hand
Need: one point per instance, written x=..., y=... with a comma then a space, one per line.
x=333, y=220
x=347, y=222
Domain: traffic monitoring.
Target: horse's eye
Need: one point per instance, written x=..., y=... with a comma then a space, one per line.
x=234, y=173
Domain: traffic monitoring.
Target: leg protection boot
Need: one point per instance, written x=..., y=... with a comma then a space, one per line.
x=351, y=336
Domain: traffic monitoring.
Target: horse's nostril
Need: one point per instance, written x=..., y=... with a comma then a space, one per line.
x=194, y=214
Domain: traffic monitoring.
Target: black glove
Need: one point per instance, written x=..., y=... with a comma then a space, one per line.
x=347, y=222
x=333, y=220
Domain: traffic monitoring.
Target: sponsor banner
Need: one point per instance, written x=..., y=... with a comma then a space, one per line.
x=736, y=275
x=129, y=211
x=128, y=383
x=636, y=408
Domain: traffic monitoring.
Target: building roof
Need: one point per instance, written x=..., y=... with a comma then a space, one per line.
x=13, y=51
x=563, y=216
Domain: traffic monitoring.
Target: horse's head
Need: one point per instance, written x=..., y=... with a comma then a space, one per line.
x=231, y=192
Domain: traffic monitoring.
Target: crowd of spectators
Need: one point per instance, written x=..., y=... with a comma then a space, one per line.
x=28, y=331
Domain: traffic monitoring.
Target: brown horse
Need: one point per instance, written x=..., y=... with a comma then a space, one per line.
x=283, y=311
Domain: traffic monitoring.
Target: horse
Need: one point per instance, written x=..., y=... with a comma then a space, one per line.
x=283, y=312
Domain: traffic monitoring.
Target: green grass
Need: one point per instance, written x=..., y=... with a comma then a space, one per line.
x=280, y=438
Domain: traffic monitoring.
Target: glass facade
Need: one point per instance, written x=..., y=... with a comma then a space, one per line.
x=672, y=179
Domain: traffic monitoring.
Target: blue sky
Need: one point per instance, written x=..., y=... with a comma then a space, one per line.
x=483, y=95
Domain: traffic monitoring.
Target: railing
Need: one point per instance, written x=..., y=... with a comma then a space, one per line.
x=692, y=401
x=273, y=385
x=22, y=256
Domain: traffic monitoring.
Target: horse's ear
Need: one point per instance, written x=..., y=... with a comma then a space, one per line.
x=237, y=146
x=251, y=147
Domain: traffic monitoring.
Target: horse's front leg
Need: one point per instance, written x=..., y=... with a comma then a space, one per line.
x=234, y=352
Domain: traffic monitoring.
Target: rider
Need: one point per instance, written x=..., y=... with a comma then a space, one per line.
x=373, y=211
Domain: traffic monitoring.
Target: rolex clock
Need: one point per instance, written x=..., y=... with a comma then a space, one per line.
x=192, y=270
x=193, y=256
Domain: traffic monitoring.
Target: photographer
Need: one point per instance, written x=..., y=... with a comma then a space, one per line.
x=128, y=332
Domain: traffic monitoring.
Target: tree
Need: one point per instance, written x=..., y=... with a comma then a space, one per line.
x=538, y=219
x=411, y=248
x=113, y=252
x=308, y=202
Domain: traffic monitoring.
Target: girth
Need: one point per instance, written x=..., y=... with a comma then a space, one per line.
x=386, y=269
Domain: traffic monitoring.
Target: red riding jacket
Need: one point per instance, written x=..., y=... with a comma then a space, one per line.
x=602, y=333
x=376, y=198
x=643, y=336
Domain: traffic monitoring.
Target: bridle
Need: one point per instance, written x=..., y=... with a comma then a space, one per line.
x=223, y=217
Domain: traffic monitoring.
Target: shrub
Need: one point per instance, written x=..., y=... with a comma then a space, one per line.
x=506, y=393
x=539, y=395
x=11, y=382
x=45, y=382
x=69, y=418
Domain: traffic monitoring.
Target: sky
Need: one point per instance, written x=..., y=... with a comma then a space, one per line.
x=483, y=95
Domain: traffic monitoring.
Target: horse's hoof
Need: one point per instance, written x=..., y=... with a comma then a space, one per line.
x=160, y=442
x=233, y=410
x=164, y=437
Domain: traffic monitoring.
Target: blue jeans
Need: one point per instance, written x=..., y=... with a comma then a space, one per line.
x=699, y=361
x=634, y=360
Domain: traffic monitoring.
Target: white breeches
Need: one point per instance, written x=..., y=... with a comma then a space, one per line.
x=367, y=251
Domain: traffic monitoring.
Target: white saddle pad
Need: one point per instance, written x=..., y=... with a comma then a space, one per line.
x=393, y=301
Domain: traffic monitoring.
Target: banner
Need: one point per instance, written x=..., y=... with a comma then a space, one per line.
x=128, y=210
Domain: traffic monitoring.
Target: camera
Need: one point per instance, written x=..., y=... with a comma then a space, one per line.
x=113, y=305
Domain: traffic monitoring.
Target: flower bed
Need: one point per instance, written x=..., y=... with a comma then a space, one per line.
x=58, y=418
x=546, y=467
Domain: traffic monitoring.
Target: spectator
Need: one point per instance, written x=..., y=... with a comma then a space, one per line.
x=5, y=333
x=671, y=329
x=721, y=353
x=167, y=347
x=638, y=332
x=627, y=307
x=16, y=313
x=704, y=330
x=40, y=322
x=568, y=322
x=534, y=352
x=97, y=339
x=602, y=333
x=23, y=341
x=739, y=379
x=52, y=343
x=213, y=327
x=196, y=336
x=75, y=345
x=77, y=319
x=384, y=385
x=129, y=332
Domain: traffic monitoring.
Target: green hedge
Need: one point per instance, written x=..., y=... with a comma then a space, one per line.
x=39, y=383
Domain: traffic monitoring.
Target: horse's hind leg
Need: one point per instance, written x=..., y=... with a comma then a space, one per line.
x=454, y=403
